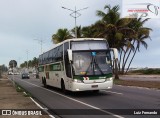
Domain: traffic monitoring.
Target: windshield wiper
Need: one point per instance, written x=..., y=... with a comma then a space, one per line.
x=93, y=65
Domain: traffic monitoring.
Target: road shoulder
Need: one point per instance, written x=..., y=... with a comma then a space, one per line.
x=146, y=81
x=11, y=99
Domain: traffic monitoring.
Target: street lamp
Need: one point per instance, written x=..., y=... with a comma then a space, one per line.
x=27, y=58
x=41, y=43
x=19, y=61
x=75, y=14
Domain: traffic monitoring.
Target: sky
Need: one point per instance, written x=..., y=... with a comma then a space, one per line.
x=23, y=21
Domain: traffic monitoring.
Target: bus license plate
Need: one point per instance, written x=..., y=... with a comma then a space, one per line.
x=94, y=86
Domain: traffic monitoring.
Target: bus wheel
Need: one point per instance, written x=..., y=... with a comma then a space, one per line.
x=44, y=82
x=63, y=87
x=96, y=91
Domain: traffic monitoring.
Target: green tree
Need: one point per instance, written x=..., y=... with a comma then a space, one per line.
x=115, y=30
x=111, y=16
x=34, y=62
x=87, y=32
x=61, y=35
x=142, y=33
x=125, y=34
x=78, y=30
x=30, y=63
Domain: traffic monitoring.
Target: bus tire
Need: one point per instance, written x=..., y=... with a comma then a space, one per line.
x=96, y=91
x=44, y=82
x=63, y=86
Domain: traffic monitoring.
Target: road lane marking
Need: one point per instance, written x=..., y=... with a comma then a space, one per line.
x=45, y=109
x=118, y=116
x=25, y=93
x=112, y=92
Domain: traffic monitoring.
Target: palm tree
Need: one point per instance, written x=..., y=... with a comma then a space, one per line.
x=30, y=63
x=115, y=30
x=34, y=62
x=142, y=35
x=109, y=19
x=112, y=15
x=98, y=29
x=137, y=25
x=123, y=33
x=61, y=35
x=87, y=32
x=78, y=30
x=93, y=31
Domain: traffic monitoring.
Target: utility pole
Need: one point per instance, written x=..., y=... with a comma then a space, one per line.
x=41, y=44
x=19, y=62
x=13, y=74
x=27, y=57
x=75, y=14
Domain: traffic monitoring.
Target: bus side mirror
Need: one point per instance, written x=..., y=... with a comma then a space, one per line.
x=115, y=52
x=69, y=54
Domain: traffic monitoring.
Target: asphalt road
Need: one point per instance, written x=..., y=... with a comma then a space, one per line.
x=118, y=102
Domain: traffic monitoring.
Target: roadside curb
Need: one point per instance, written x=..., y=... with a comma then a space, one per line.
x=140, y=87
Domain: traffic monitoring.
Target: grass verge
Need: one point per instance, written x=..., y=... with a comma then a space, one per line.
x=146, y=71
x=21, y=89
x=147, y=84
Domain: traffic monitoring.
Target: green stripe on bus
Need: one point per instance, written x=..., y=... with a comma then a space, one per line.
x=94, y=77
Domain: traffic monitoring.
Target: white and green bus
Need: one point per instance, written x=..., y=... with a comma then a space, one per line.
x=80, y=64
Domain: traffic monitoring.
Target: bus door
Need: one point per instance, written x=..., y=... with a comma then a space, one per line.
x=48, y=75
x=57, y=74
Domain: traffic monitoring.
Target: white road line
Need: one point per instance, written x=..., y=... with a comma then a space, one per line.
x=112, y=92
x=25, y=93
x=118, y=116
x=42, y=107
x=36, y=103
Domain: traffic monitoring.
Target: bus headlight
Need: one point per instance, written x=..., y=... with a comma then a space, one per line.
x=77, y=80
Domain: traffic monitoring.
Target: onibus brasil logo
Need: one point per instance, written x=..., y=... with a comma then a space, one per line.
x=144, y=9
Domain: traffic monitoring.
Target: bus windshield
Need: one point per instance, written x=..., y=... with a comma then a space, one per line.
x=92, y=63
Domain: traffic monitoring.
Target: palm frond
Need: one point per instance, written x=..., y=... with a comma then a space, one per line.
x=123, y=22
x=116, y=8
x=100, y=13
x=107, y=7
x=145, y=20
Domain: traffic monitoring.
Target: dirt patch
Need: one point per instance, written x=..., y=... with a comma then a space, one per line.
x=147, y=84
x=4, y=76
x=11, y=99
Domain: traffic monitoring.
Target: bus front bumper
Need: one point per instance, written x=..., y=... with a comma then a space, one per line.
x=91, y=86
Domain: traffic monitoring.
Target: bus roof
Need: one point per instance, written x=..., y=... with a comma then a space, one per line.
x=73, y=39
